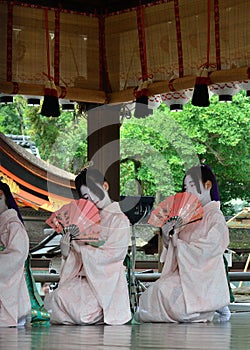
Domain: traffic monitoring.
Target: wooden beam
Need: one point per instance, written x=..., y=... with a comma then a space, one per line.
x=188, y=82
x=71, y=93
x=116, y=97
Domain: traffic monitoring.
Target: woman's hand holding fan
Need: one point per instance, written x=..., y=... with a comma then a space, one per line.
x=65, y=244
x=80, y=218
x=176, y=211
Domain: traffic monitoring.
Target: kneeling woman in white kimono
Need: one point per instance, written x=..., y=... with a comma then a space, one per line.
x=15, y=305
x=93, y=286
x=193, y=283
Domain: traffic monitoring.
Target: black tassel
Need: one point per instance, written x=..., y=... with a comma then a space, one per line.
x=50, y=106
x=200, y=95
x=141, y=105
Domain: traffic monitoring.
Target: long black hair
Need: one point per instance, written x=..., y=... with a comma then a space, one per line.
x=204, y=173
x=90, y=178
x=9, y=199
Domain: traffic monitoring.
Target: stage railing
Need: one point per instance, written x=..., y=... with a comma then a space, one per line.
x=143, y=277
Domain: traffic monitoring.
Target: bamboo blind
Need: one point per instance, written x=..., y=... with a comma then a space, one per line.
x=89, y=57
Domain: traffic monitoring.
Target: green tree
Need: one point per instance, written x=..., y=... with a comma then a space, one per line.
x=167, y=143
x=150, y=146
x=61, y=141
x=10, y=120
x=221, y=134
x=70, y=147
x=42, y=130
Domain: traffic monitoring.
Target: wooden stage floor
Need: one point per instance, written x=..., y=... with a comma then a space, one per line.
x=233, y=335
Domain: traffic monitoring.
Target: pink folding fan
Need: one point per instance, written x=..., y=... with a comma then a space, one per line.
x=183, y=208
x=80, y=217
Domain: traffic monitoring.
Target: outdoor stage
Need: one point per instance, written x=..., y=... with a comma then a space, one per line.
x=231, y=335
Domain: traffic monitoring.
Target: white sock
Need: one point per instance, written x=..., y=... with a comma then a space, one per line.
x=224, y=314
x=21, y=321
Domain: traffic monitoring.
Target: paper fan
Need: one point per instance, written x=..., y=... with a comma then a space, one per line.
x=183, y=208
x=80, y=217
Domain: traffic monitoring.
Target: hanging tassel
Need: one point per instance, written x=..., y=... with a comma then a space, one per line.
x=50, y=106
x=201, y=95
x=141, y=105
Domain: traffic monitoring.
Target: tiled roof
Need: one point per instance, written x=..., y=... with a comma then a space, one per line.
x=25, y=142
x=33, y=182
x=240, y=220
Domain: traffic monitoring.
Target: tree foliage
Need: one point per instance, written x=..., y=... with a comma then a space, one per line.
x=218, y=134
x=10, y=119
x=61, y=141
x=222, y=135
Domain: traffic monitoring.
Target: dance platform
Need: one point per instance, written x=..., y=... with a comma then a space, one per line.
x=233, y=335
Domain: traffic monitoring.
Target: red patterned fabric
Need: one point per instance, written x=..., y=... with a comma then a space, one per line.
x=179, y=41
x=9, y=41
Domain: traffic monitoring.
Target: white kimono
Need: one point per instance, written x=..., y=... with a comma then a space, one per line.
x=14, y=296
x=93, y=286
x=193, y=283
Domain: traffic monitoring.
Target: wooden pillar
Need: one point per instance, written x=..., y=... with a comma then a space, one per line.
x=104, y=144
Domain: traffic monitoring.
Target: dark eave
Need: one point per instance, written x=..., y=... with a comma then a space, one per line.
x=90, y=6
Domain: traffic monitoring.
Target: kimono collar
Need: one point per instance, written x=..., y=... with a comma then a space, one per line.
x=8, y=215
x=211, y=205
x=112, y=208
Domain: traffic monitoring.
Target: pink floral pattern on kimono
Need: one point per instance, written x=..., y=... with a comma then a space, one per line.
x=93, y=286
x=14, y=296
x=193, y=283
